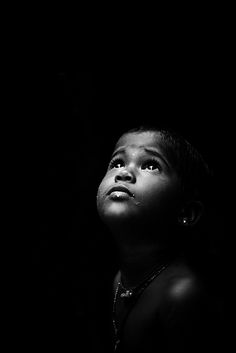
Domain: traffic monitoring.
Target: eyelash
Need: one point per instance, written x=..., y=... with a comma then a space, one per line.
x=115, y=161
x=154, y=162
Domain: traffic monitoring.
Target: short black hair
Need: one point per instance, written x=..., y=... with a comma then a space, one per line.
x=195, y=174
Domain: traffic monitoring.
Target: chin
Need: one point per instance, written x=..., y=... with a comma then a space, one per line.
x=116, y=216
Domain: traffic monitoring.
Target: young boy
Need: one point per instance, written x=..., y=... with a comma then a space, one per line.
x=152, y=197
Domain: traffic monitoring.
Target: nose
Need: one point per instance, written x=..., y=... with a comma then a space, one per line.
x=125, y=175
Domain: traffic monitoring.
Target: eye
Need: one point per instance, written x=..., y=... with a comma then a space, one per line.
x=116, y=163
x=151, y=164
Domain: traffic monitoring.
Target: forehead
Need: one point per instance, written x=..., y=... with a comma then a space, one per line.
x=140, y=139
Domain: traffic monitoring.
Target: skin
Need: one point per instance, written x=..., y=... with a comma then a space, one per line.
x=140, y=224
x=150, y=178
x=143, y=225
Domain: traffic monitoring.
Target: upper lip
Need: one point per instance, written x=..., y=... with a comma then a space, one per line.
x=120, y=188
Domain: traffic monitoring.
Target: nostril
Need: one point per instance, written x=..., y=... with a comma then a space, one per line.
x=118, y=177
x=128, y=177
x=125, y=176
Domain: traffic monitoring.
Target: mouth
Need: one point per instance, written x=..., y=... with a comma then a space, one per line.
x=120, y=189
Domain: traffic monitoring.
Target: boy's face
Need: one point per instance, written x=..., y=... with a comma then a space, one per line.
x=140, y=185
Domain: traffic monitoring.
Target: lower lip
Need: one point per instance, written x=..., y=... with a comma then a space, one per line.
x=119, y=195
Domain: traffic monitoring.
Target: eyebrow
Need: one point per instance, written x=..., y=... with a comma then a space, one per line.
x=152, y=151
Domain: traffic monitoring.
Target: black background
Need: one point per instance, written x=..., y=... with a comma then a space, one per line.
x=74, y=119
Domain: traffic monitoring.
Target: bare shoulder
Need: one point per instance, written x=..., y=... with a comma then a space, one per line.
x=183, y=284
x=183, y=295
x=188, y=311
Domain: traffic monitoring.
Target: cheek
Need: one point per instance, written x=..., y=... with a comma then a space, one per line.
x=102, y=189
x=159, y=197
x=106, y=183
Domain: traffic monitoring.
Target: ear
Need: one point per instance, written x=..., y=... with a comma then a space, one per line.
x=190, y=213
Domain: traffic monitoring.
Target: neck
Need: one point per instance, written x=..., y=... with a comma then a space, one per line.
x=141, y=249
x=137, y=261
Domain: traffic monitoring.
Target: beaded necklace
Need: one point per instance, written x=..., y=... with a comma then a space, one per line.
x=133, y=294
